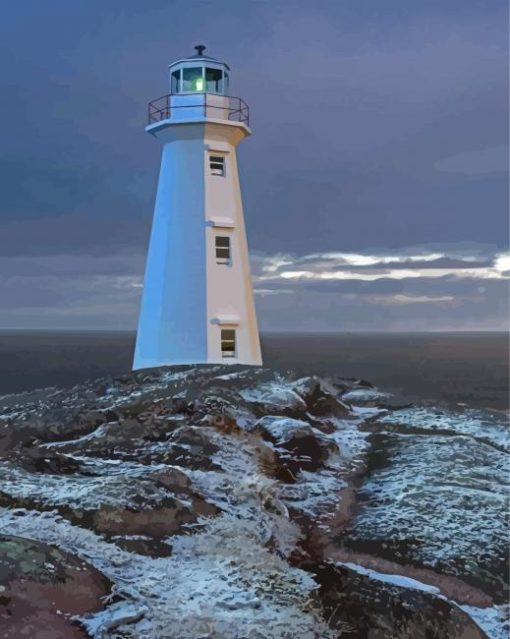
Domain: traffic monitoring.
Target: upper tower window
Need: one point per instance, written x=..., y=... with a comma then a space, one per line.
x=217, y=164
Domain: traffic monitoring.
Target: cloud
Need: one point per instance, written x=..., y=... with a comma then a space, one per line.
x=492, y=159
x=502, y=263
x=271, y=291
x=394, y=274
x=414, y=263
x=70, y=291
x=63, y=265
x=457, y=286
x=372, y=290
x=409, y=299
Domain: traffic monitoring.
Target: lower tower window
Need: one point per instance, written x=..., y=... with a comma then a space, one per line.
x=222, y=245
x=228, y=342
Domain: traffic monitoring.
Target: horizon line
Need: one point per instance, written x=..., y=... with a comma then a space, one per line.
x=268, y=332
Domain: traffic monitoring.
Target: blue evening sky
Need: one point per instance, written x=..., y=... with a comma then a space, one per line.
x=375, y=183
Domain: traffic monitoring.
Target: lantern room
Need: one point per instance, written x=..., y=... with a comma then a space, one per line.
x=199, y=73
x=199, y=90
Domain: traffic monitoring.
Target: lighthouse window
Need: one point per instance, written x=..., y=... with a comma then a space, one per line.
x=228, y=342
x=176, y=76
x=222, y=249
x=213, y=80
x=193, y=80
x=217, y=165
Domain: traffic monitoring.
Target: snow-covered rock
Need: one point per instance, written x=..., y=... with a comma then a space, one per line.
x=209, y=499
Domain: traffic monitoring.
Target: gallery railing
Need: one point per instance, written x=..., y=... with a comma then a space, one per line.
x=215, y=106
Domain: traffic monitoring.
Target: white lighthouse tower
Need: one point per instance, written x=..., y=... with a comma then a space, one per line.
x=197, y=304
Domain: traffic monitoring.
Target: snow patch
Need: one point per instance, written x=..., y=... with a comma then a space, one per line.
x=394, y=580
x=494, y=621
x=480, y=425
x=365, y=395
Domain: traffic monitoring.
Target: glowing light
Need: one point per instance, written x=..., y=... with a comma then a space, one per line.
x=199, y=84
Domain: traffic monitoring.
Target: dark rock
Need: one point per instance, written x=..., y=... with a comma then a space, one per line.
x=144, y=545
x=365, y=608
x=157, y=521
x=181, y=403
x=319, y=401
x=298, y=445
x=223, y=423
x=54, y=425
x=344, y=384
x=149, y=513
x=38, y=460
x=215, y=401
x=124, y=438
x=41, y=587
x=364, y=383
x=195, y=446
x=275, y=399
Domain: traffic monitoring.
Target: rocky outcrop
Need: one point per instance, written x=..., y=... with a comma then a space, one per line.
x=297, y=444
x=210, y=501
x=43, y=588
x=362, y=607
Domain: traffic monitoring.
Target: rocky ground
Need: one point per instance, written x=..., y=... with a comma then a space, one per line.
x=233, y=502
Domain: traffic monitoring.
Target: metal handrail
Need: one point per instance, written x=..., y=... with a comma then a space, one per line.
x=161, y=108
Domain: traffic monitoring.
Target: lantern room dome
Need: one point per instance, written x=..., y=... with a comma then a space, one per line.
x=199, y=73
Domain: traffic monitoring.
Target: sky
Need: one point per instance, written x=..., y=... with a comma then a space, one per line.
x=375, y=184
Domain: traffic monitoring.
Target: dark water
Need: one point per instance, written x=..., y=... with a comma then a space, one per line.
x=469, y=368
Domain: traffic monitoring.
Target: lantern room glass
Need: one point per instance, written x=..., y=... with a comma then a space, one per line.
x=193, y=80
x=175, y=81
x=199, y=80
x=213, y=78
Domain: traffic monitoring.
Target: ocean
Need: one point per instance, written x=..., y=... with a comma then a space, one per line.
x=447, y=368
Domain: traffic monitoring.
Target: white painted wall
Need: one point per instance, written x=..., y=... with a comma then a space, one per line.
x=187, y=297
x=229, y=287
x=173, y=307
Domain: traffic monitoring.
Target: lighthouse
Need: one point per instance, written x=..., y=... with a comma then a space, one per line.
x=197, y=304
